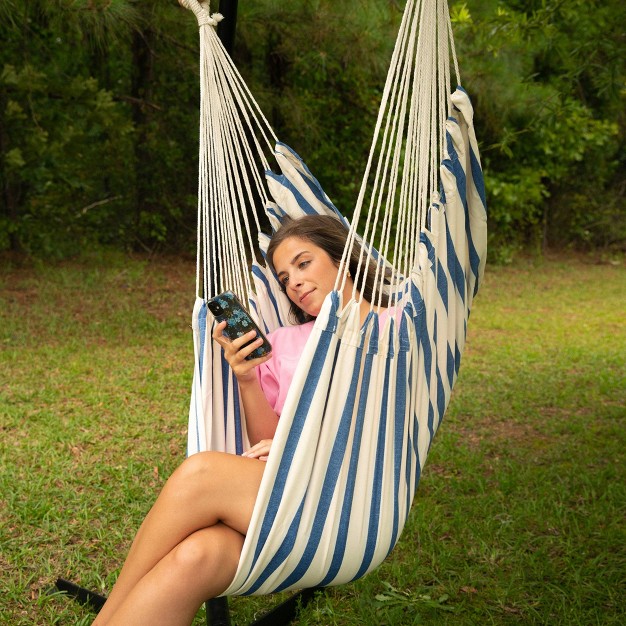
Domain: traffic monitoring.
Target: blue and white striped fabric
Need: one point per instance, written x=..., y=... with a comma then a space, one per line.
x=365, y=402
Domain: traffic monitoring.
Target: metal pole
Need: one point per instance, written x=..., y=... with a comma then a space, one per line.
x=226, y=28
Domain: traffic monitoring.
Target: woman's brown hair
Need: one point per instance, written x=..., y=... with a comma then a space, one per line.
x=329, y=234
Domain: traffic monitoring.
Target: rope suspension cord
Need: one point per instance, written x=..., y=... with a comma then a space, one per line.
x=233, y=134
x=399, y=180
x=408, y=145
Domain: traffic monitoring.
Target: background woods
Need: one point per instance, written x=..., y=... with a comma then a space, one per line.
x=99, y=101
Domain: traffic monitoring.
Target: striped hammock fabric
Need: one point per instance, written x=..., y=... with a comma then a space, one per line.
x=366, y=400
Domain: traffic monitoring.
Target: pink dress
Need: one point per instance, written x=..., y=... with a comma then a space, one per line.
x=276, y=375
x=288, y=343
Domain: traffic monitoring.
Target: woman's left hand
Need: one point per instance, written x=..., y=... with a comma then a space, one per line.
x=260, y=450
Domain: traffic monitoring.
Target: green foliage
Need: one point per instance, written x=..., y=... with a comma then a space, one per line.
x=549, y=109
x=52, y=152
x=408, y=601
x=317, y=70
x=519, y=514
x=83, y=158
x=98, y=113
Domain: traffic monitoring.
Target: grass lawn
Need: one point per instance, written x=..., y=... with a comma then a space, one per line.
x=519, y=517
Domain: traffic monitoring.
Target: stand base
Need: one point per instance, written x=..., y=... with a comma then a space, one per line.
x=217, y=613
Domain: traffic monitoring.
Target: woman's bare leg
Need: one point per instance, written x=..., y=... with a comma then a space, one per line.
x=200, y=567
x=208, y=488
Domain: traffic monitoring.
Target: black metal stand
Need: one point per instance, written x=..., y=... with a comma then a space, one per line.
x=84, y=596
x=281, y=615
x=217, y=612
x=226, y=29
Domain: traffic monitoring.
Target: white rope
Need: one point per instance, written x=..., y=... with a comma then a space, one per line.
x=401, y=174
x=387, y=91
x=402, y=170
x=232, y=162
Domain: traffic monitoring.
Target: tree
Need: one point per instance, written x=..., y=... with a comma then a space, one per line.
x=317, y=70
x=99, y=101
x=82, y=156
x=546, y=78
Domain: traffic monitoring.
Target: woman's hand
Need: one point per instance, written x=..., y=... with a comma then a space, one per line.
x=260, y=450
x=236, y=351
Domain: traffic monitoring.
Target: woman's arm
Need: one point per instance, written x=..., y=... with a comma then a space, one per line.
x=261, y=419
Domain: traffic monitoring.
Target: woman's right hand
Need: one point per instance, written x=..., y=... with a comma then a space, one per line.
x=259, y=451
x=236, y=351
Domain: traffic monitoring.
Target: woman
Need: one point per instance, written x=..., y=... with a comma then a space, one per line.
x=188, y=547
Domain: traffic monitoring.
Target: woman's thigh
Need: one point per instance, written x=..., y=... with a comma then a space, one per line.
x=219, y=485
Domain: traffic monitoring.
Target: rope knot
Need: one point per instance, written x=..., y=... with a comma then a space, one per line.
x=204, y=19
x=203, y=16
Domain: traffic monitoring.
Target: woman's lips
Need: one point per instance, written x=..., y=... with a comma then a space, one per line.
x=306, y=295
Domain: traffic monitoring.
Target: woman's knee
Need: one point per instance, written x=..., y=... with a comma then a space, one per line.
x=195, y=470
x=208, y=553
x=224, y=487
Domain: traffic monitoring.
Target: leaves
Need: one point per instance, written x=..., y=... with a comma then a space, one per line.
x=544, y=77
x=411, y=601
x=98, y=108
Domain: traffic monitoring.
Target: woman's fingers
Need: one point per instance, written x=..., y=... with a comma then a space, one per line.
x=237, y=350
x=236, y=355
x=245, y=350
x=238, y=343
x=218, y=333
x=233, y=345
x=260, y=450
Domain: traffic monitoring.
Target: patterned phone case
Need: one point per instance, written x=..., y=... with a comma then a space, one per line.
x=226, y=307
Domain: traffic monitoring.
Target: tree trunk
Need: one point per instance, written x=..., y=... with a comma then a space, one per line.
x=9, y=207
x=141, y=92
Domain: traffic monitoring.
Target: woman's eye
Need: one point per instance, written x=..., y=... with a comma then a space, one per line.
x=284, y=281
x=303, y=264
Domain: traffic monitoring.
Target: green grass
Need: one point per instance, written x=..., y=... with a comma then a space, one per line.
x=519, y=517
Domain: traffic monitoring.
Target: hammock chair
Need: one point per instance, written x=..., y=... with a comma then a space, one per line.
x=366, y=400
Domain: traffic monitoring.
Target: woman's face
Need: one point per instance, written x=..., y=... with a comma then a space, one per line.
x=306, y=272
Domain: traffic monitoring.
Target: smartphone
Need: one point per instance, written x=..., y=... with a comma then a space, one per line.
x=226, y=307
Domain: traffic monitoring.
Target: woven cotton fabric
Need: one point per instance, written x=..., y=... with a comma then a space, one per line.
x=366, y=401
